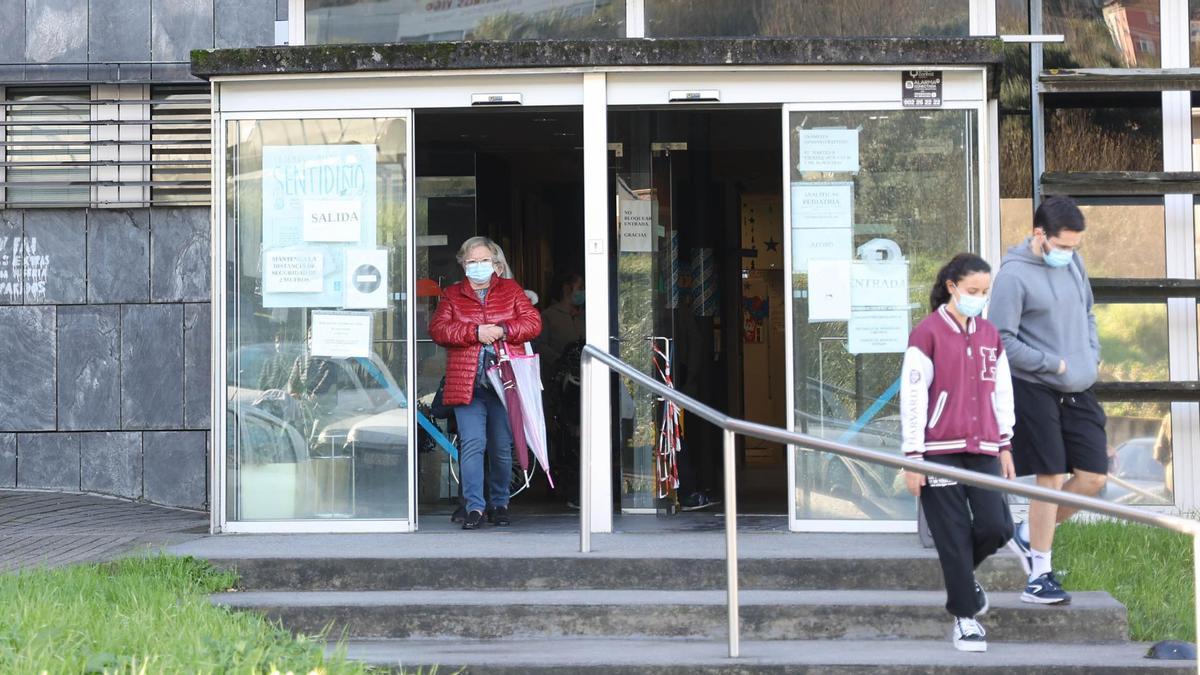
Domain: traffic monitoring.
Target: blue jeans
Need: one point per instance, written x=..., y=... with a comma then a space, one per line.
x=483, y=429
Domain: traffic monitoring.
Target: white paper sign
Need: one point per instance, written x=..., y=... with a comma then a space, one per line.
x=366, y=279
x=332, y=220
x=826, y=205
x=878, y=332
x=293, y=271
x=828, y=290
x=637, y=225
x=879, y=308
x=823, y=244
x=306, y=190
x=879, y=285
x=341, y=334
x=827, y=150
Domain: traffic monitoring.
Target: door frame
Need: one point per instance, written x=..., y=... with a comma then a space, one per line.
x=400, y=95
x=984, y=242
x=219, y=443
x=405, y=93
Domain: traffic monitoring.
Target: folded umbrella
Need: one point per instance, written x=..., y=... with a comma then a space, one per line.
x=505, y=383
x=524, y=373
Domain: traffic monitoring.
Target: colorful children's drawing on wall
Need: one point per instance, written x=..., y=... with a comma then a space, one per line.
x=755, y=311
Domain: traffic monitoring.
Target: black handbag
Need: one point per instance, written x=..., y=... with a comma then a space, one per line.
x=438, y=407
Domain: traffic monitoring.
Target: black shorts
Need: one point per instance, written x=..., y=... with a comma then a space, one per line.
x=1057, y=432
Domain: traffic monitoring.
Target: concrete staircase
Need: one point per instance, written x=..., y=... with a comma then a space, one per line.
x=651, y=605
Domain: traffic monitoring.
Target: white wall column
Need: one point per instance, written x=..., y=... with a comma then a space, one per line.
x=1181, y=251
x=596, y=428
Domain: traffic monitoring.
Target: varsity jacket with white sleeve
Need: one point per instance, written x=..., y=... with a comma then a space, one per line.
x=955, y=392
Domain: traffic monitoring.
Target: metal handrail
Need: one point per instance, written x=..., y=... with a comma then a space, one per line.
x=731, y=427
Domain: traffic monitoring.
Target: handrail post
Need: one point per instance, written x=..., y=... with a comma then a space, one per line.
x=1196, y=579
x=585, y=455
x=731, y=552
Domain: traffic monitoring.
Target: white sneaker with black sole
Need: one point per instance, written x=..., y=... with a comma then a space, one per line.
x=969, y=636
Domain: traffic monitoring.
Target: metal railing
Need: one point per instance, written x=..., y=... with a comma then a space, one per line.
x=731, y=427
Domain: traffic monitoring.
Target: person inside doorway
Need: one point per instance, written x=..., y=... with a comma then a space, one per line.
x=956, y=403
x=472, y=317
x=561, y=347
x=562, y=320
x=1042, y=305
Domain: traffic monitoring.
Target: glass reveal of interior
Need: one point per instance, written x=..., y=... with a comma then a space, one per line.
x=317, y=391
x=788, y=18
x=340, y=21
x=879, y=200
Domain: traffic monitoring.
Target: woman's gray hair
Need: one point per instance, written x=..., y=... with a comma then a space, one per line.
x=502, y=266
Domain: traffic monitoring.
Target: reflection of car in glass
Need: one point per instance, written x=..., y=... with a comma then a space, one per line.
x=271, y=453
x=360, y=419
x=833, y=486
x=822, y=411
x=1135, y=476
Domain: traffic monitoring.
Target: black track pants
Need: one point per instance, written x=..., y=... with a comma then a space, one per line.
x=968, y=525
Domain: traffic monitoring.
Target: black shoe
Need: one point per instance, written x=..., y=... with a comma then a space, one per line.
x=459, y=515
x=473, y=520
x=498, y=516
x=697, y=501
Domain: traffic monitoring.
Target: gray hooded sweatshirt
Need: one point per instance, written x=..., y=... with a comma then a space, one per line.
x=1045, y=316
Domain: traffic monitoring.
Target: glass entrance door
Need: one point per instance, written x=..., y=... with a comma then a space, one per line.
x=317, y=381
x=878, y=198
x=646, y=270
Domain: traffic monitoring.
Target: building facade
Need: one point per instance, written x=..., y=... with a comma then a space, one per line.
x=104, y=212
x=755, y=198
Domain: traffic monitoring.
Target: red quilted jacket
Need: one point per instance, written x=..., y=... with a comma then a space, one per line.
x=460, y=313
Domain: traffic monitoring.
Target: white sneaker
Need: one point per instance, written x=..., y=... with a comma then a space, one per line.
x=969, y=636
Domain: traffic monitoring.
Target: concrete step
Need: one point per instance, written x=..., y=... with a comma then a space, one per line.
x=766, y=615
x=710, y=657
x=599, y=571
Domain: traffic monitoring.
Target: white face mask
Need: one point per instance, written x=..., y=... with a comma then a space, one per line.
x=480, y=272
x=970, y=305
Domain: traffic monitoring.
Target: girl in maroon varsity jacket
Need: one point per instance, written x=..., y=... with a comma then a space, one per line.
x=956, y=408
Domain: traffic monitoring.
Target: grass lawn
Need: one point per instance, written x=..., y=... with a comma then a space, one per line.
x=1147, y=569
x=139, y=616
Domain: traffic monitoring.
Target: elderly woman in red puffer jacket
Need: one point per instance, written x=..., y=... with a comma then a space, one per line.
x=472, y=316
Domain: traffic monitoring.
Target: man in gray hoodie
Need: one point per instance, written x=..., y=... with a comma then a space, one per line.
x=1042, y=304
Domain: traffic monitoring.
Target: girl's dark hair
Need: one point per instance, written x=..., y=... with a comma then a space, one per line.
x=959, y=267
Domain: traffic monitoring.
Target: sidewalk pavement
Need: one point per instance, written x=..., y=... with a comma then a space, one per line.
x=52, y=529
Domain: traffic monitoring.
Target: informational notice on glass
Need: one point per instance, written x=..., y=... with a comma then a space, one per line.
x=635, y=223
x=879, y=307
x=366, y=279
x=921, y=88
x=318, y=201
x=340, y=335
x=828, y=290
x=292, y=271
x=822, y=222
x=827, y=150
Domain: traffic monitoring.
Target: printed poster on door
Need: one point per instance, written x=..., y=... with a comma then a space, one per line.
x=827, y=150
x=822, y=222
x=318, y=203
x=636, y=215
x=879, y=308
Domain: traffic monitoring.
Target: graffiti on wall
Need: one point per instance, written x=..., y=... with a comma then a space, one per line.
x=22, y=264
